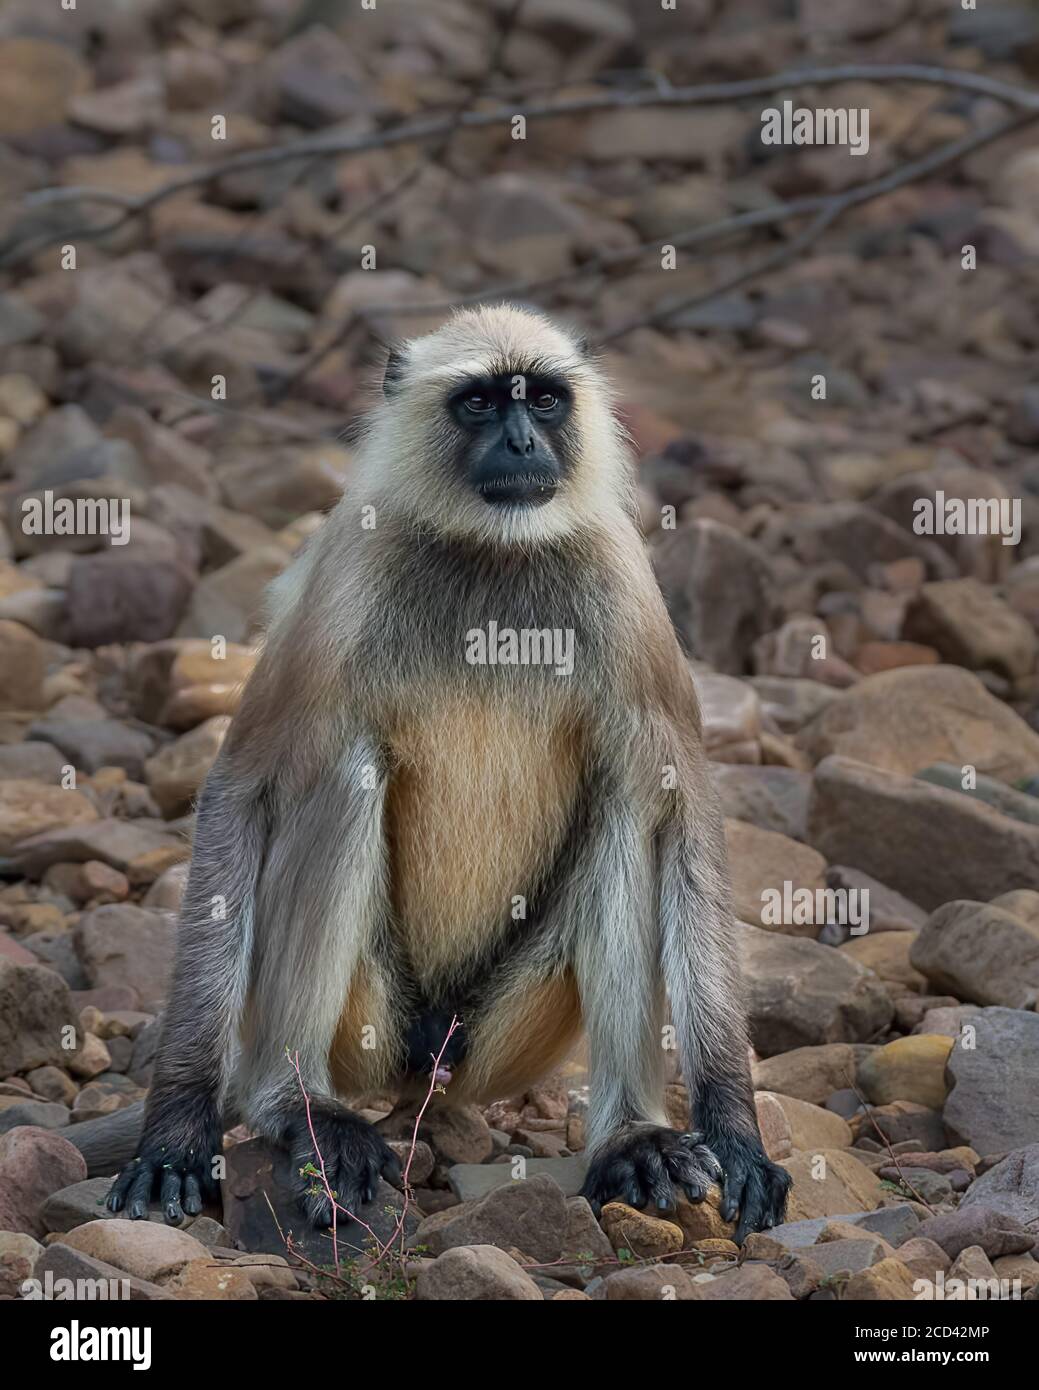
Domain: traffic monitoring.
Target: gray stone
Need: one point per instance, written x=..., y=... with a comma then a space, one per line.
x=893, y=1224
x=93, y=744
x=979, y=952
x=956, y=1231
x=988, y=789
x=994, y=1101
x=69, y=1207
x=1010, y=1188
x=772, y=798
x=471, y=1181
x=62, y=1262
x=43, y=1114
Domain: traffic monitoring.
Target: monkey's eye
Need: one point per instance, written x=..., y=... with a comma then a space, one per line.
x=478, y=404
x=546, y=401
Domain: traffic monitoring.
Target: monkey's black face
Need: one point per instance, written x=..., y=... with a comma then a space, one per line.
x=514, y=437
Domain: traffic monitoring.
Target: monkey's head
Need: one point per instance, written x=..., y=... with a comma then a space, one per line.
x=496, y=426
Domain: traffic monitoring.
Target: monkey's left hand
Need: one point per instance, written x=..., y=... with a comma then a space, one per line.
x=753, y=1187
x=644, y=1164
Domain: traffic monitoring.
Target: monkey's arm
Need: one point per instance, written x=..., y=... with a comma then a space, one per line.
x=701, y=971
x=183, y=1123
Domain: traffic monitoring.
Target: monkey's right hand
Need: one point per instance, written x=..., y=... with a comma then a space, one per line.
x=335, y=1150
x=175, y=1166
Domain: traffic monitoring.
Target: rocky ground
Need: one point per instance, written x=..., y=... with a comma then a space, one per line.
x=854, y=673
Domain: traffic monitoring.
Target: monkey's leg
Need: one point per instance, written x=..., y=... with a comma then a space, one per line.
x=634, y=1155
x=703, y=980
x=321, y=907
x=183, y=1128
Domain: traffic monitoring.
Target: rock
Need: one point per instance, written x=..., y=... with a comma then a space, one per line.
x=78, y=1203
x=761, y=864
x=280, y=484
x=167, y=892
x=260, y=1210
x=987, y=789
x=34, y=1009
x=802, y=649
x=888, y=1279
x=1011, y=1188
x=731, y=714
x=30, y=808
x=91, y=1058
x=22, y=667
x=117, y=843
x=1021, y=1270
x=666, y=1283
x=145, y=1249
x=39, y=1113
x=203, y=1279
x=229, y=600
x=977, y=951
x=38, y=78
x=906, y=719
x=457, y=1134
x=811, y=1073
x=120, y=944
x=887, y=954
x=791, y=703
x=92, y=744
x=772, y=798
x=993, y=1103
x=969, y=625
x=32, y=762
x=828, y=1183
x=702, y=1220
x=176, y=773
x=471, y=1181
x=93, y=882
x=800, y=993
x=923, y=1258
x=774, y=1125
x=811, y=1127
x=894, y=1224
x=900, y=1122
x=646, y=1236
x=837, y=1257
x=52, y=1084
x=18, y=1256
x=719, y=591
x=899, y=829
x=475, y=1272
x=62, y=1262
x=585, y=1241
x=529, y=1215
x=979, y=1225
x=114, y=597
x=750, y=1281
x=910, y=1069
x=33, y=1164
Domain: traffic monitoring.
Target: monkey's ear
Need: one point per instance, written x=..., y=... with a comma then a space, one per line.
x=394, y=373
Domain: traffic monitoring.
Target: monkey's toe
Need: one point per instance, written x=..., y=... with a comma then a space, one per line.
x=753, y=1188
x=180, y=1179
x=646, y=1165
x=344, y=1165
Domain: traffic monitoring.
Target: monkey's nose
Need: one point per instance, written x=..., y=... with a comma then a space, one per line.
x=520, y=443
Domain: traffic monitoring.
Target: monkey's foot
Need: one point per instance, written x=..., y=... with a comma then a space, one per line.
x=180, y=1177
x=753, y=1187
x=645, y=1163
x=348, y=1159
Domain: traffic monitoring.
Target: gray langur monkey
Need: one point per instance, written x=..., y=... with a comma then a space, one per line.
x=410, y=762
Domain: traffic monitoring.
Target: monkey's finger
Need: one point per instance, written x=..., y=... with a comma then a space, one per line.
x=169, y=1197
x=657, y=1182
x=192, y=1201
x=733, y=1186
x=116, y=1199
x=140, y=1192
x=636, y=1193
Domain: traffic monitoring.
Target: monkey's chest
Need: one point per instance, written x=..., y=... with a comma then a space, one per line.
x=479, y=801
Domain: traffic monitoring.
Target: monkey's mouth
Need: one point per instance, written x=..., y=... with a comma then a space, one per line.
x=518, y=490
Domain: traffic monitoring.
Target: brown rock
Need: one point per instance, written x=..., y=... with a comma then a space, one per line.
x=829, y=1182
x=22, y=667
x=761, y=862
x=176, y=773
x=888, y=1279
x=143, y=1248
x=33, y=1164
x=29, y=808
x=645, y=1236
x=471, y=1272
